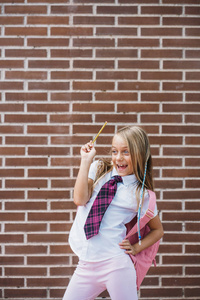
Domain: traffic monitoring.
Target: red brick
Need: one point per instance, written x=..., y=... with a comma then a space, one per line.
x=71, y=31
x=12, y=260
x=62, y=184
x=11, y=42
x=90, y=64
x=11, y=64
x=25, y=293
x=66, y=118
x=26, y=161
x=192, y=75
x=192, y=183
x=48, y=64
x=117, y=10
x=48, y=129
x=115, y=96
x=137, y=107
x=137, y=42
x=26, y=249
x=47, y=238
x=48, y=42
x=116, y=31
x=47, y=260
x=50, y=151
x=161, y=10
x=71, y=53
x=43, y=282
x=181, y=129
x=161, y=31
x=23, y=31
x=8, y=20
x=192, y=32
x=161, y=75
x=46, y=194
x=25, y=53
x=193, y=161
x=139, y=20
x=25, y=118
x=12, y=172
x=25, y=9
x=194, y=292
x=11, y=282
x=96, y=20
x=161, y=118
x=11, y=238
x=12, y=151
x=11, y=85
x=162, y=292
x=25, y=227
x=122, y=118
x=48, y=86
x=71, y=75
x=75, y=96
x=135, y=85
x=186, y=281
x=110, y=75
x=25, y=205
x=161, y=97
x=182, y=42
x=161, y=53
x=45, y=20
x=26, y=271
x=26, y=75
x=192, y=270
x=181, y=173
x=12, y=216
x=192, y=97
x=165, y=140
x=62, y=271
x=71, y=9
x=26, y=96
x=192, y=54
x=181, y=21
x=48, y=172
x=20, y=140
x=93, y=107
x=181, y=64
x=71, y=161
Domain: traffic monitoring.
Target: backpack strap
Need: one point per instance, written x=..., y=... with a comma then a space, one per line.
x=149, y=214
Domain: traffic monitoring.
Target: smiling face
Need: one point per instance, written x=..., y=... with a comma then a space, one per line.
x=121, y=157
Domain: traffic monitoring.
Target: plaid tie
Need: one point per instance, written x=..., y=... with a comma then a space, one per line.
x=100, y=205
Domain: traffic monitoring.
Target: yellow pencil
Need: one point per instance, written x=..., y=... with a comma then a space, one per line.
x=99, y=132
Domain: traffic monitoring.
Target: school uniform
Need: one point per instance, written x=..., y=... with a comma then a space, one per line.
x=102, y=263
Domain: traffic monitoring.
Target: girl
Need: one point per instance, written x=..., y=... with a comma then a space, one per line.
x=104, y=262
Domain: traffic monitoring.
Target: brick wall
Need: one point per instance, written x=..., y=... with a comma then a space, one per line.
x=66, y=67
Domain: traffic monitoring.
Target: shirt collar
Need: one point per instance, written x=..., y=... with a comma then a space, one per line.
x=129, y=179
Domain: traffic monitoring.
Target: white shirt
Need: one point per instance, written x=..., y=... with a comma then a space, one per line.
x=112, y=230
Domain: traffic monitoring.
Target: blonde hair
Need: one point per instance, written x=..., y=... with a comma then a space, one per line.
x=139, y=148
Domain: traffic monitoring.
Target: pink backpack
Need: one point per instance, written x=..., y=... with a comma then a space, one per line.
x=143, y=260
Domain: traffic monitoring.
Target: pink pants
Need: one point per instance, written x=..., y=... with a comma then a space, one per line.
x=90, y=279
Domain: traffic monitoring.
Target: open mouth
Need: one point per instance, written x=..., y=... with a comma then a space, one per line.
x=121, y=167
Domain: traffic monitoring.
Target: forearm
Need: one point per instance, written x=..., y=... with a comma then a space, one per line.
x=81, y=188
x=150, y=239
x=156, y=232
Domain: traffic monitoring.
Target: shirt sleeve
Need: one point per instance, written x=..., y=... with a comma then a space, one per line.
x=146, y=204
x=93, y=170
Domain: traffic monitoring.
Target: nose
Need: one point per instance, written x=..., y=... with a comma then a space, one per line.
x=119, y=156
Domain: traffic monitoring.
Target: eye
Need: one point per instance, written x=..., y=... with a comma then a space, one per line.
x=114, y=151
x=126, y=151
